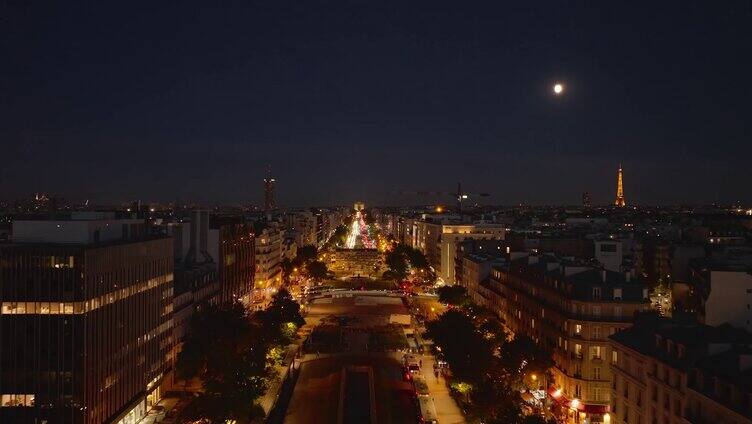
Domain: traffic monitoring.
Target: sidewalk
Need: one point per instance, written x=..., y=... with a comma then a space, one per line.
x=446, y=407
x=272, y=393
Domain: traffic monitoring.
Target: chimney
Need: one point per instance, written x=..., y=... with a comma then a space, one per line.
x=603, y=275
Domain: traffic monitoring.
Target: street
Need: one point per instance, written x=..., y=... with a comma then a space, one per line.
x=353, y=332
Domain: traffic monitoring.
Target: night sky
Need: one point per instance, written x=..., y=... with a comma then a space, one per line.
x=190, y=101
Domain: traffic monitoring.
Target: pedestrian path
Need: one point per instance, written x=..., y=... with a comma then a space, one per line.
x=446, y=407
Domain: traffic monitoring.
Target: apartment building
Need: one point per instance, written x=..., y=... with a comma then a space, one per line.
x=269, y=257
x=571, y=308
x=674, y=371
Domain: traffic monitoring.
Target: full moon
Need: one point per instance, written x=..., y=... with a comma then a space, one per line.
x=558, y=88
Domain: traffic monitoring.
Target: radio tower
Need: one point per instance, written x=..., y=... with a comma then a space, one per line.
x=620, y=202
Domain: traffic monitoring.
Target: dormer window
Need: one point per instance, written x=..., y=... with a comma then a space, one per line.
x=596, y=293
x=617, y=293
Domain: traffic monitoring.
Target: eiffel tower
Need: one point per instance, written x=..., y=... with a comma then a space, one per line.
x=620, y=202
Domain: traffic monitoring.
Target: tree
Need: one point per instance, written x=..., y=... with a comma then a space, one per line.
x=307, y=253
x=287, y=268
x=339, y=236
x=317, y=270
x=227, y=351
x=417, y=259
x=282, y=318
x=453, y=295
x=396, y=264
x=466, y=351
x=495, y=402
x=523, y=356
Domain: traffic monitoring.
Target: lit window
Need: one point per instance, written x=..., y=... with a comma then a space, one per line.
x=596, y=351
x=577, y=329
x=617, y=294
x=11, y=400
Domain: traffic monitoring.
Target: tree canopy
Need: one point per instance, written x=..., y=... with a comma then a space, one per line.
x=453, y=295
x=488, y=366
x=401, y=258
x=317, y=270
x=227, y=351
x=306, y=253
x=281, y=318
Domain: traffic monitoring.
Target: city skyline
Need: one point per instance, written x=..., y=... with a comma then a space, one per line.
x=428, y=95
x=355, y=212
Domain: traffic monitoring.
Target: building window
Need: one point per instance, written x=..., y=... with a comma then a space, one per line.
x=617, y=294
x=596, y=373
x=578, y=350
x=596, y=352
x=596, y=293
x=614, y=357
x=596, y=394
x=11, y=400
x=596, y=332
x=617, y=311
x=596, y=311
x=577, y=329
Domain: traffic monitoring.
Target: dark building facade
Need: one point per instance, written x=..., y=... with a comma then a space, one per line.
x=270, y=201
x=237, y=261
x=85, y=328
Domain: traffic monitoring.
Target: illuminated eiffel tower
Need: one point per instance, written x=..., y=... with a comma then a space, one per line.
x=620, y=202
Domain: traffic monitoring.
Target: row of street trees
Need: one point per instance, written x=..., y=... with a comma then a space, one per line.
x=490, y=368
x=233, y=353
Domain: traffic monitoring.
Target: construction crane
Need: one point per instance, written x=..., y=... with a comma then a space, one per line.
x=458, y=195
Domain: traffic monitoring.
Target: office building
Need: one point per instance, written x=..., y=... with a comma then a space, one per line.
x=86, y=322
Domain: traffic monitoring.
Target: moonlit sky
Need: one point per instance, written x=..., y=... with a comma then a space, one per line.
x=356, y=100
